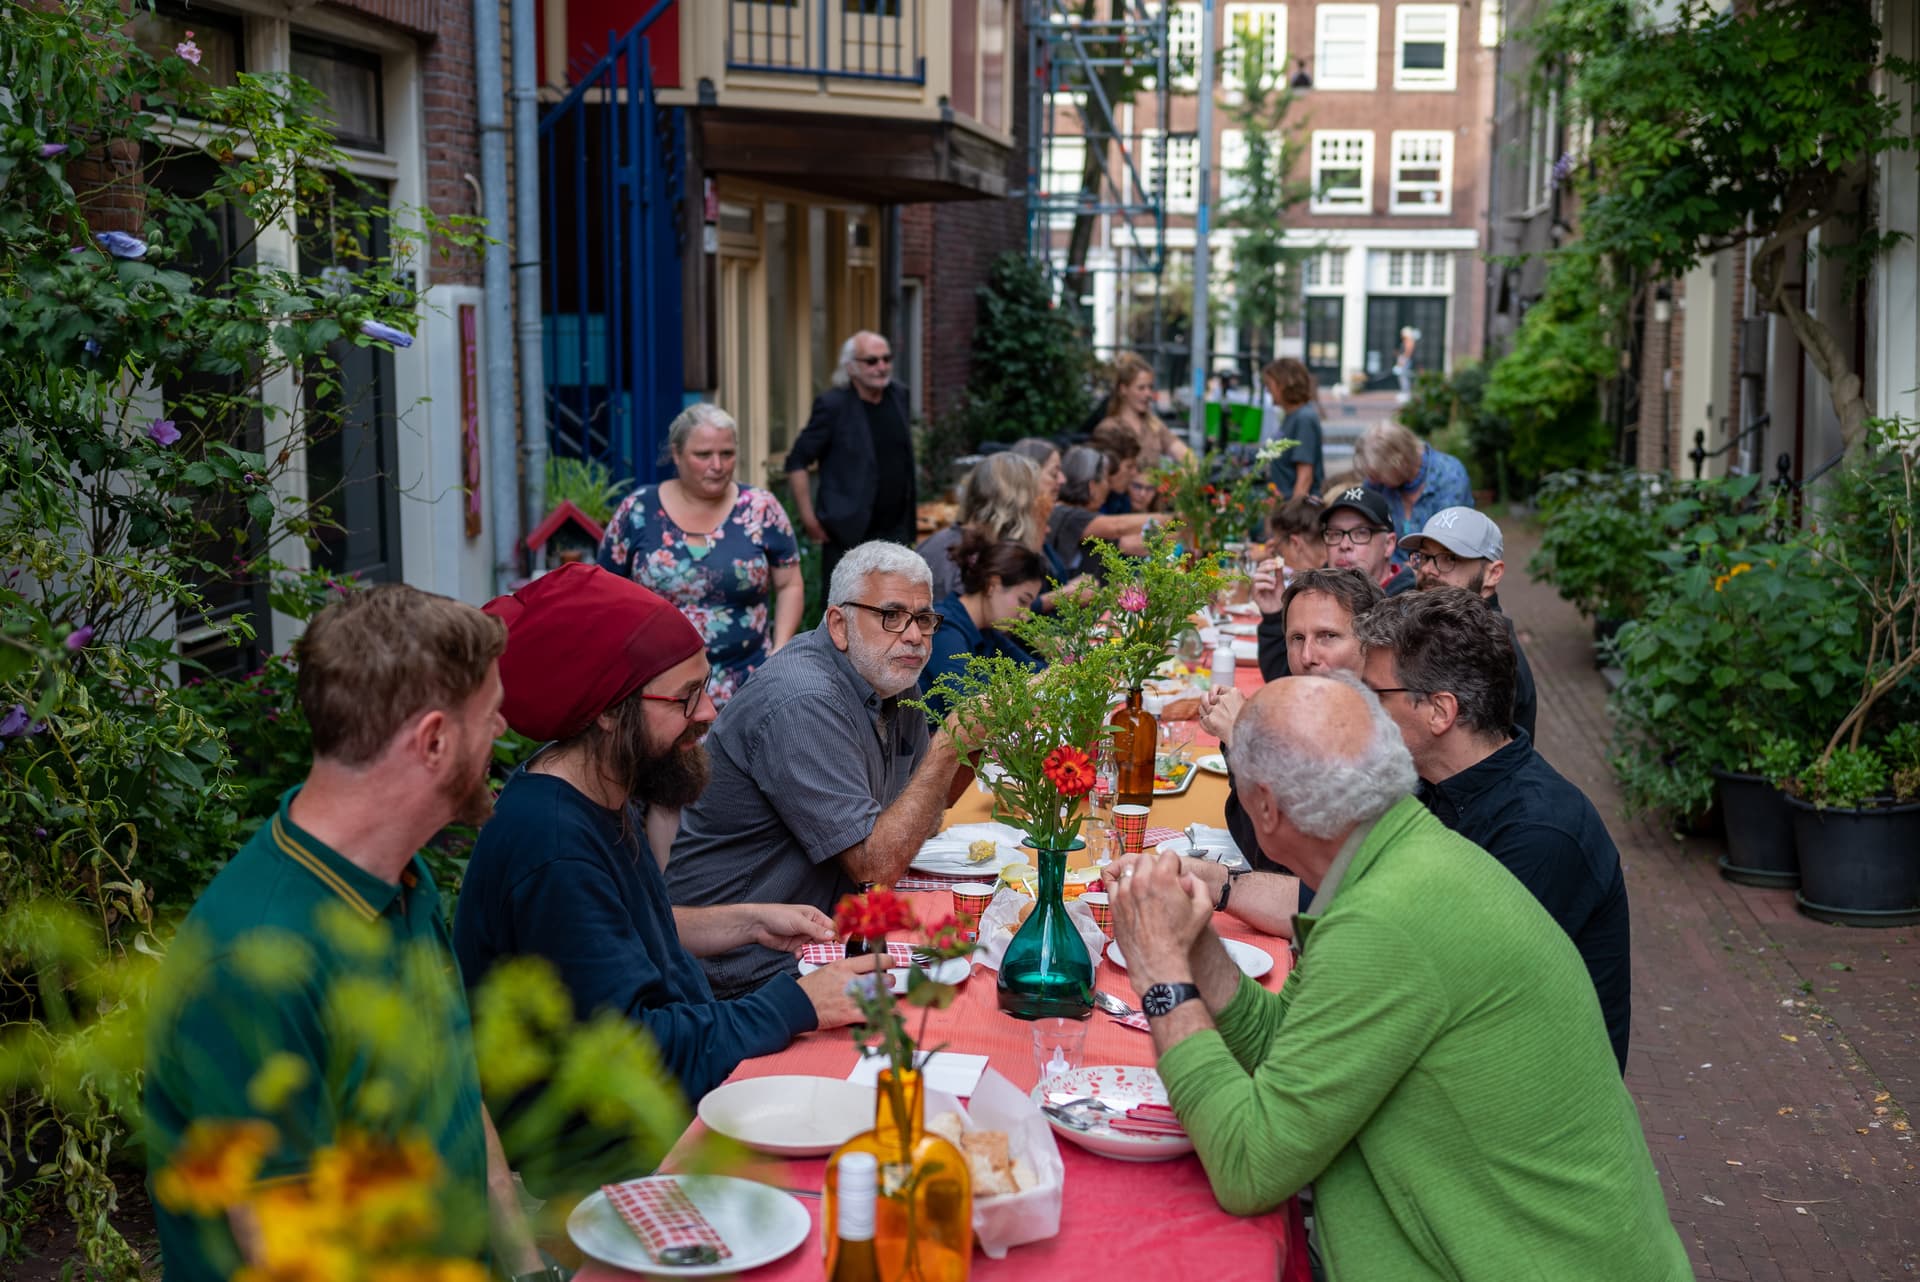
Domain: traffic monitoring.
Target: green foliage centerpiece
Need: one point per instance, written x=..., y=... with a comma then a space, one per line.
x=1218, y=498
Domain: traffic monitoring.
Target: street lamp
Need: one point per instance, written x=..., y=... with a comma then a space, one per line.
x=1662, y=304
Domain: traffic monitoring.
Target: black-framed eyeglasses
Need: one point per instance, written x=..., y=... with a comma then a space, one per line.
x=894, y=619
x=1441, y=561
x=689, y=703
x=1406, y=690
x=1359, y=536
x=874, y=360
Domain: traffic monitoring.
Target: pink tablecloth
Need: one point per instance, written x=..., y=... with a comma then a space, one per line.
x=1122, y=1219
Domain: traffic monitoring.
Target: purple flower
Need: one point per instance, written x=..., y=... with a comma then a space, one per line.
x=386, y=333
x=162, y=431
x=48, y=150
x=15, y=723
x=78, y=638
x=1562, y=167
x=250, y=479
x=121, y=245
x=41, y=833
x=188, y=50
x=1133, y=600
x=91, y=347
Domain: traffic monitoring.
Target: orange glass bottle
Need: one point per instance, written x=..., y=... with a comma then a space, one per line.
x=923, y=1216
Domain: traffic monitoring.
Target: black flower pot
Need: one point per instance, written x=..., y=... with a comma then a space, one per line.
x=1760, y=845
x=1858, y=867
x=1604, y=630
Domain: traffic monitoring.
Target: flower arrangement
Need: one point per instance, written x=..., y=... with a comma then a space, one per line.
x=1041, y=730
x=872, y=917
x=1217, y=498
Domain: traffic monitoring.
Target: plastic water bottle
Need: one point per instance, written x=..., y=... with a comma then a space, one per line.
x=1224, y=664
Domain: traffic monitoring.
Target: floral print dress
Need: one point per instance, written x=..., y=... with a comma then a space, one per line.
x=722, y=584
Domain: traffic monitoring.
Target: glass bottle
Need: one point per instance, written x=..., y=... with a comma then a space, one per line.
x=850, y=1253
x=923, y=1213
x=1047, y=972
x=1136, y=734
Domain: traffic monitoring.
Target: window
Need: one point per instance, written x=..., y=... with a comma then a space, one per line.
x=1326, y=270
x=1233, y=164
x=1183, y=46
x=1346, y=40
x=348, y=81
x=1422, y=174
x=1543, y=137
x=1066, y=161
x=1181, y=183
x=1425, y=36
x=1265, y=26
x=1342, y=171
x=1414, y=269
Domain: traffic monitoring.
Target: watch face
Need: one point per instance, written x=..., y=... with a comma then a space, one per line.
x=1162, y=998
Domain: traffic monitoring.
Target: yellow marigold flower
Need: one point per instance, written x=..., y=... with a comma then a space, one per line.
x=214, y=1166
x=385, y=1187
x=298, y=1229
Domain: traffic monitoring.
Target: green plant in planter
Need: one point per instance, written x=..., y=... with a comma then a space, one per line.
x=587, y=484
x=1780, y=759
x=1902, y=754
x=1601, y=531
x=1845, y=779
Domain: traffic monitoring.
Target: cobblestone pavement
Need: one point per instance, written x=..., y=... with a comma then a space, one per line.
x=1776, y=1060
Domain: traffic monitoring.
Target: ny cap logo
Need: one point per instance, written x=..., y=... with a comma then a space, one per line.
x=1353, y=494
x=1446, y=520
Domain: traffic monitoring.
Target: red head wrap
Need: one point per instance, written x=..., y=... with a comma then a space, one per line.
x=579, y=640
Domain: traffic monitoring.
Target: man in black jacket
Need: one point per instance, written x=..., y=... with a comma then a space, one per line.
x=859, y=433
x=1460, y=547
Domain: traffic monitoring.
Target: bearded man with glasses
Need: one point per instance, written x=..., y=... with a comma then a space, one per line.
x=858, y=436
x=822, y=781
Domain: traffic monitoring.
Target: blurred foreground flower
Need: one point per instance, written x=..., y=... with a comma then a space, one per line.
x=214, y=1167
x=121, y=245
x=48, y=150
x=386, y=333
x=78, y=638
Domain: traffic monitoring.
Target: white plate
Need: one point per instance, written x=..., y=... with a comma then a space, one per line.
x=759, y=1225
x=1254, y=961
x=1179, y=845
x=952, y=971
x=1240, y=629
x=948, y=858
x=1120, y=1085
x=1213, y=763
x=789, y=1116
x=1246, y=651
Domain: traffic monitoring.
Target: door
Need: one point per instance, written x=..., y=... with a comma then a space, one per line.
x=1386, y=317
x=1325, y=316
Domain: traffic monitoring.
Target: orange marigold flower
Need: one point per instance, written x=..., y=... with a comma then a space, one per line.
x=387, y=1186
x=215, y=1165
x=873, y=915
x=1070, y=770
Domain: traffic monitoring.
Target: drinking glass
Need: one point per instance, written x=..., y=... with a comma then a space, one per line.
x=1058, y=1045
x=1106, y=781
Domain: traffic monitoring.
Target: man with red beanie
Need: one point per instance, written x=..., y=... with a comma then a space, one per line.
x=614, y=678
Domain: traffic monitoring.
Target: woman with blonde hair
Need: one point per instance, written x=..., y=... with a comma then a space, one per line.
x=1415, y=479
x=1002, y=496
x=1300, y=471
x=1131, y=406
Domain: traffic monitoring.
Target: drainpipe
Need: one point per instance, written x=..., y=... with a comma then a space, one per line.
x=503, y=455
x=527, y=245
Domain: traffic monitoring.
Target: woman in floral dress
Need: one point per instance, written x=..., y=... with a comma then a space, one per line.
x=713, y=547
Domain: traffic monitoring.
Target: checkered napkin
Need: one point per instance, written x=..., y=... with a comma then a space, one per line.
x=663, y=1217
x=1154, y=836
x=1135, y=1020
x=899, y=953
x=933, y=881
x=1148, y=1119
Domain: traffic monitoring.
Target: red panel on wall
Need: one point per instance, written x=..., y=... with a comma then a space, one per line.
x=589, y=21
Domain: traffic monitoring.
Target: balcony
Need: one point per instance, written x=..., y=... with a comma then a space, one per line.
x=878, y=100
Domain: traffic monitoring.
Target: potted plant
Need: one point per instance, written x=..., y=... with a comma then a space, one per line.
x=1601, y=533
x=1759, y=824
x=1857, y=821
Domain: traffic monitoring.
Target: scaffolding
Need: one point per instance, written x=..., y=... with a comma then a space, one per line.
x=1097, y=182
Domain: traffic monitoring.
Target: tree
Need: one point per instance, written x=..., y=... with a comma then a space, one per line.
x=1029, y=363
x=1759, y=126
x=1266, y=275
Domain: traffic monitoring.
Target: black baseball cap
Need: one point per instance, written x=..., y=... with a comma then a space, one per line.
x=1368, y=503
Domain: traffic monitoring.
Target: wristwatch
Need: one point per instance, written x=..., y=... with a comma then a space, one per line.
x=1226, y=891
x=1160, y=999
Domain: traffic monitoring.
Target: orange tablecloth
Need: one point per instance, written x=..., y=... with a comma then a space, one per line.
x=1122, y=1220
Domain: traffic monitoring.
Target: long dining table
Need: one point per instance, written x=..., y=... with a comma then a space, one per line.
x=1142, y=1220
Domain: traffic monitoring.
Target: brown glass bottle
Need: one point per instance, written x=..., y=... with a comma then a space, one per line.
x=1135, y=738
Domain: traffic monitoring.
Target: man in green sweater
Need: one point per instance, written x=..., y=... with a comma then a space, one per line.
x=1436, y=1065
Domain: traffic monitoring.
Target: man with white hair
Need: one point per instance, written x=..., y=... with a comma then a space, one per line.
x=821, y=782
x=1436, y=1064
x=859, y=436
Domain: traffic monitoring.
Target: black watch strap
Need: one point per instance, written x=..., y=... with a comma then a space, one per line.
x=1160, y=999
x=1226, y=892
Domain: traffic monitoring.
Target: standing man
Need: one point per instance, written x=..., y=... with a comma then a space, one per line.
x=1436, y=1064
x=1442, y=666
x=859, y=434
x=1461, y=547
x=402, y=691
x=822, y=782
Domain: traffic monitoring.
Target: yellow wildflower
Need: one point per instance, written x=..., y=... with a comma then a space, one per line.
x=214, y=1166
x=299, y=1240
x=384, y=1187
x=1731, y=575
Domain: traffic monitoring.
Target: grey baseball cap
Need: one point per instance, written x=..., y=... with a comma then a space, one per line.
x=1462, y=531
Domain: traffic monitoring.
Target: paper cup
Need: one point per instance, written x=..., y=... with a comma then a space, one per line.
x=1131, y=823
x=972, y=897
x=1102, y=909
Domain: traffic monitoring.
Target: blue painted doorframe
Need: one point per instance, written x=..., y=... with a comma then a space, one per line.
x=612, y=162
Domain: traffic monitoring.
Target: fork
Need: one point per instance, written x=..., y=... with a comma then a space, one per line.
x=1113, y=1005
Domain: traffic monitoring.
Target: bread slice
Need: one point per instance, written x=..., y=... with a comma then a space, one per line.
x=987, y=1158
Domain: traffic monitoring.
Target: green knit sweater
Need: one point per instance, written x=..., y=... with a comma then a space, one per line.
x=1438, y=1068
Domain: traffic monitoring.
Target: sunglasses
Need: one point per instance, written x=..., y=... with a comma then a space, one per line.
x=874, y=360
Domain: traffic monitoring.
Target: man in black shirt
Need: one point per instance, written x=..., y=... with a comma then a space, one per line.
x=1460, y=547
x=1443, y=666
x=858, y=433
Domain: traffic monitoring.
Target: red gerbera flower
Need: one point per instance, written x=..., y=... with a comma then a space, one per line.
x=873, y=915
x=1070, y=770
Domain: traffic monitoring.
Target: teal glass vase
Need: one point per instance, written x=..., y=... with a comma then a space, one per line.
x=1047, y=973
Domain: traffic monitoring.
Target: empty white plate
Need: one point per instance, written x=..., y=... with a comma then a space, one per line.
x=1254, y=961
x=789, y=1116
x=759, y=1224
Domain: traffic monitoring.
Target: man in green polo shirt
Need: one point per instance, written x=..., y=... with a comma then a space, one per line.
x=313, y=987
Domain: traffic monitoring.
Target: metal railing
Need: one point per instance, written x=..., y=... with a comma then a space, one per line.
x=832, y=39
x=1700, y=453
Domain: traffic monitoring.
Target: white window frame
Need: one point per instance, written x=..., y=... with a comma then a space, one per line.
x=1329, y=138
x=1181, y=180
x=1063, y=150
x=1404, y=138
x=1543, y=126
x=1323, y=76
x=1423, y=79
x=1183, y=45
x=1271, y=19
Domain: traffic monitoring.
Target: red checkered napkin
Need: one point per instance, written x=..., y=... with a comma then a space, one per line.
x=1148, y=1119
x=662, y=1216
x=1135, y=1020
x=1154, y=836
x=899, y=953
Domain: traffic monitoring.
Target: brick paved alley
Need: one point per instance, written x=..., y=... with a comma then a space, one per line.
x=1776, y=1061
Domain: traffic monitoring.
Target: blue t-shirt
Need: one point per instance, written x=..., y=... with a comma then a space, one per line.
x=957, y=641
